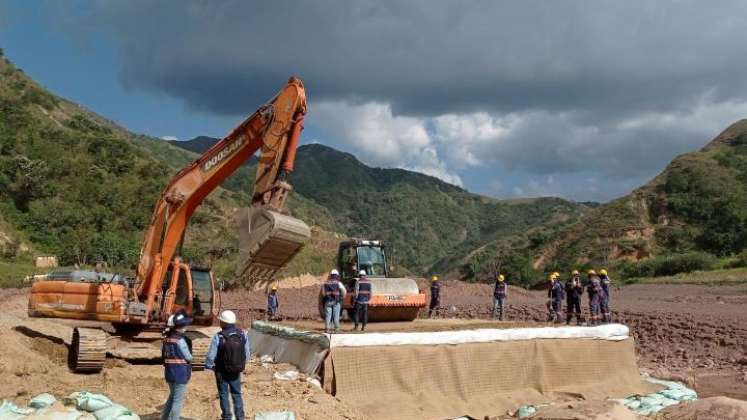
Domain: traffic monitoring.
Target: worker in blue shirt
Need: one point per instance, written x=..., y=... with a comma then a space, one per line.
x=227, y=356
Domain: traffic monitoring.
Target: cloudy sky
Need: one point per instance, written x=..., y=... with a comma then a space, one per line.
x=579, y=99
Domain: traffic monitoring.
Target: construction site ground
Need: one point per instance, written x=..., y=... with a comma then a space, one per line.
x=696, y=334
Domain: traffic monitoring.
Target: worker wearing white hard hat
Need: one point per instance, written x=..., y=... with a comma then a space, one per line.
x=361, y=297
x=177, y=363
x=331, y=294
x=227, y=355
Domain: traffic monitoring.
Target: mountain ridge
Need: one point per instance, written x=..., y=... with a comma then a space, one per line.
x=77, y=185
x=693, y=205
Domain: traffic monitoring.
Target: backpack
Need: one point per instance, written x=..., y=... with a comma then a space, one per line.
x=233, y=356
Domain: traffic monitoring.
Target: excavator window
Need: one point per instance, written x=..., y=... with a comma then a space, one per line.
x=182, y=289
x=202, y=287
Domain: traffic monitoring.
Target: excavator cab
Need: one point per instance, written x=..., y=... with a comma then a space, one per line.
x=188, y=288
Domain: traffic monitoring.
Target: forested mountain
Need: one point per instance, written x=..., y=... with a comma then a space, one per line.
x=79, y=186
x=432, y=225
x=692, y=213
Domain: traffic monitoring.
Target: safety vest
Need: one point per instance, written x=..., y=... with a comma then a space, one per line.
x=606, y=285
x=364, y=291
x=176, y=368
x=435, y=292
x=573, y=292
x=500, y=289
x=595, y=286
x=272, y=301
x=331, y=291
x=556, y=291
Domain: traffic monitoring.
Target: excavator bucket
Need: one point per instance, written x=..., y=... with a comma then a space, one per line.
x=268, y=240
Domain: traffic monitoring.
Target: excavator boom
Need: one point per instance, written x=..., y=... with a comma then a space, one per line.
x=274, y=130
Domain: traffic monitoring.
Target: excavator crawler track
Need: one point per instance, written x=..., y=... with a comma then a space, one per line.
x=199, y=353
x=88, y=350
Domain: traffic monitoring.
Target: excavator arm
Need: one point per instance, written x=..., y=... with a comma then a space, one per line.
x=274, y=130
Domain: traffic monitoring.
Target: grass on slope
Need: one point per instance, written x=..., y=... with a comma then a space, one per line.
x=716, y=277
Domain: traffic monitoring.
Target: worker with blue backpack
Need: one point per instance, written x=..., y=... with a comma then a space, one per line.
x=227, y=356
x=177, y=359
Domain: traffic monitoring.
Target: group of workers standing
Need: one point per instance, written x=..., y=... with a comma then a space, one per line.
x=596, y=284
x=597, y=287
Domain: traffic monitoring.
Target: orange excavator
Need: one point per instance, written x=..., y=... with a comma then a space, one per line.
x=139, y=308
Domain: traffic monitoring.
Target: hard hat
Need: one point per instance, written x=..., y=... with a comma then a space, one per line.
x=575, y=272
x=501, y=278
x=170, y=322
x=556, y=274
x=334, y=272
x=362, y=273
x=274, y=287
x=227, y=317
x=603, y=272
x=181, y=319
x=592, y=272
x=434, y=278
x=551, y=276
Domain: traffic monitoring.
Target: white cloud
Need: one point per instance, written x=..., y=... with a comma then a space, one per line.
x=169, y=138
x=546, y=153
x=381, y=138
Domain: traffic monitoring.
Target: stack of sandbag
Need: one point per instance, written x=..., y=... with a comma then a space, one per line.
x=646, y=405
x=77, y=406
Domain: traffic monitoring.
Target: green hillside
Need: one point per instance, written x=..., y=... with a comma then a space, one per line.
x=433, y=226
x=693, y=213
x=78, y=186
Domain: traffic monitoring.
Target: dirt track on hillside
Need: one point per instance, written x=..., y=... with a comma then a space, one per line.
x=693, y=333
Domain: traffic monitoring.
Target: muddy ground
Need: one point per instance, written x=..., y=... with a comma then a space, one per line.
x=691, y=333
x=694, y=333
x=32, y=365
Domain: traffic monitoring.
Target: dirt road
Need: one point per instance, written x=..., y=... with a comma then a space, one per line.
x=694, y=333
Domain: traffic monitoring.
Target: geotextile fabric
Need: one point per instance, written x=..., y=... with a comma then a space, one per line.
x=479, y=379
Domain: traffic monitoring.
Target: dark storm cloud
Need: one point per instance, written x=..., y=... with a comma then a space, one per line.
x=576, y=98
x=431, y=57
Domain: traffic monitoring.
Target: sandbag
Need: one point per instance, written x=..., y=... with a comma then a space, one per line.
x=58, y=412
x=646, y=405
x=42, y=401
x=115, y=412
x=275, y=415
x=89, y=402
x=10, y=411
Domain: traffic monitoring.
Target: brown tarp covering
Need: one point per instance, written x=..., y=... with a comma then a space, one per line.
x=479, y=379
